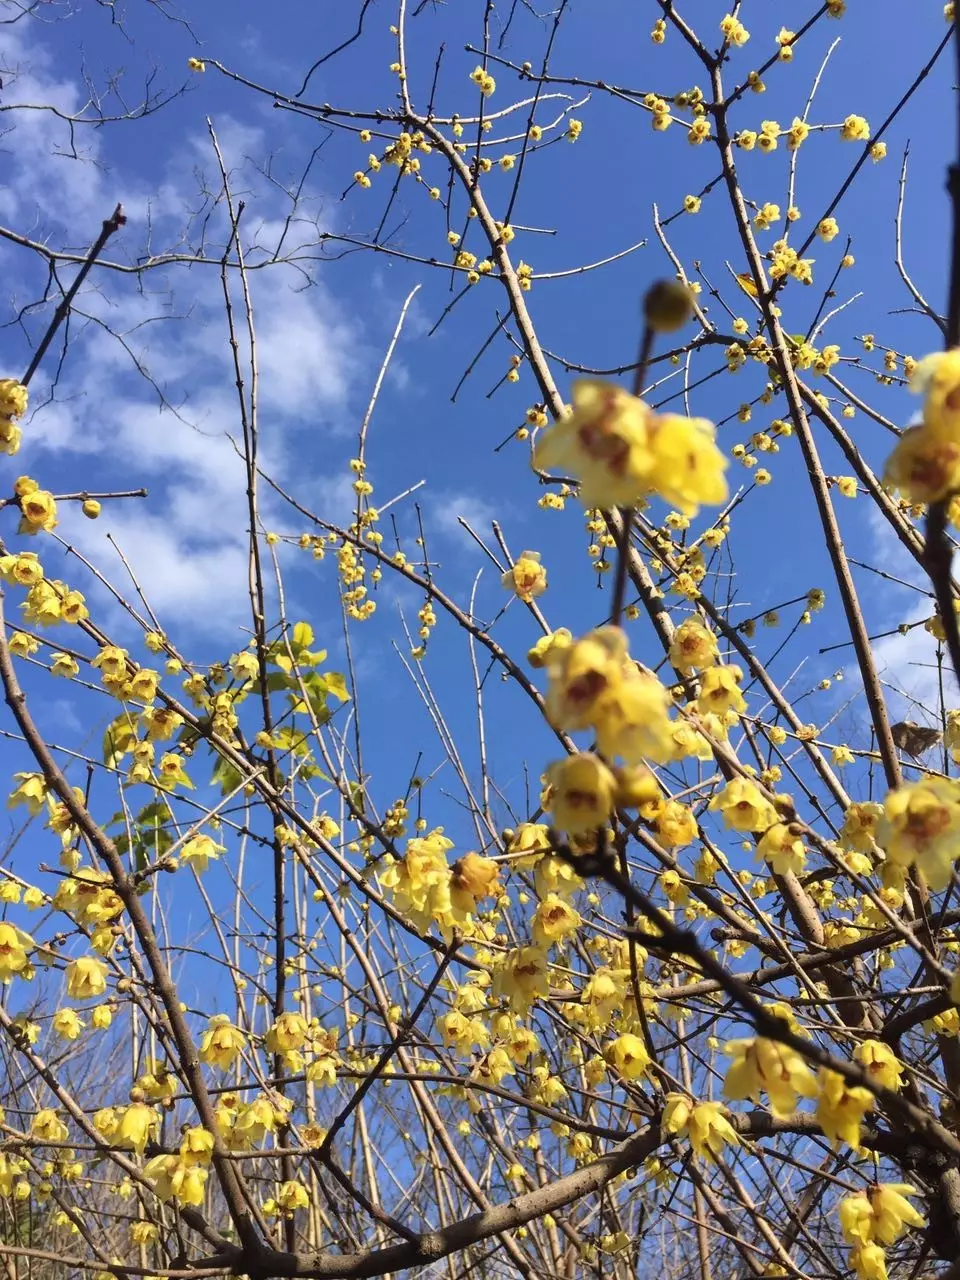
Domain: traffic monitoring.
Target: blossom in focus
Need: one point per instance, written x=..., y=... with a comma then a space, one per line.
x=221, y=1042
x=841, y=1107
x=86, y=978
x=743, y=806
x=766, y=1066
x=13, y=398
x=693, y=647
x=709, y=1130
x=527, y=578
x=880, y=1063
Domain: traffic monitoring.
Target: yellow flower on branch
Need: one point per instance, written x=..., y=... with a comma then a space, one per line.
x=527, y=578
x=766, y=1066
x=582, y=792
x=841, y=1107
x=603, y=442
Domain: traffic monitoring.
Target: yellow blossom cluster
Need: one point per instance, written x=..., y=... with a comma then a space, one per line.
x=620, y=451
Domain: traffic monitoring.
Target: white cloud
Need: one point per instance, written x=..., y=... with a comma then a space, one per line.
x=444, y=511
x=105, y=430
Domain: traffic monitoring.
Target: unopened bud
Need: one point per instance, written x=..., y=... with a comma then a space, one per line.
x=667, y=305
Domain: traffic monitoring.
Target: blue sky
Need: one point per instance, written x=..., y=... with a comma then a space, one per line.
x=323, y=326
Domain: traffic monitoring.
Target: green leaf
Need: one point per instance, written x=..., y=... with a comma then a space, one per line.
x=337, y=685
x=302, y=637
x=225, y=775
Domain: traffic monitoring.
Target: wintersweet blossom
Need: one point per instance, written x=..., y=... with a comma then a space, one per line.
x=632, y=721
x=14, y=948
x=86, y=978
x=620, y=451
x=582, y=792
x=687, y=465
x=604, y=442
x=693, y=647
x=13, y=398
x=920, y=825
x=527, y=578
x=709, y=1130
x=221, y=1042
x=879, y=1215
x=783, y=849
x=743, y=806
x=880, y=1063
x=766, y=1066
x=581, y=673
x=628, y=1055
x=841, y=1107
x=924, y=466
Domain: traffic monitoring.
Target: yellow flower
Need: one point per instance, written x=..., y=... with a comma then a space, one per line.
x=582, y=792
x=855, y=129
x=709, y=1130
x=172, y=772
x=720, y=691
x=196, y=64
x=32, y=792
x=48, y=1126
x=879, y=1215
x=841, y=1107
x=107, y=1122
x=198, y=851
x=937, y=377
x=880, y=1062
x=676, y=1114
x=221, y=1043
x=485, y=81
x=676, y=825
x=860, y=826
x=893, y=1212
x=869, y=1262
x=521, y=977
x=687, y=465
x=39, y=512
x=920, y=824
x=86, y=978
x=137, y=1124
x=462, y=1033
x=743, y=806
x=693, y=646
x=175, y=1178
x=603, y=442
x=734, y=30
x=289, y=1031
x=66, y=1024
x=763, y=1065
x=62, y=664
x=782, y=849
x=527, y=578
x=582, y=672
x=13, y=398
x=473, y=877
x=924, y=466
x=539, y=654
x=553, y=920
x=628, y=1055
x=632, y=719
x=528, y=844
